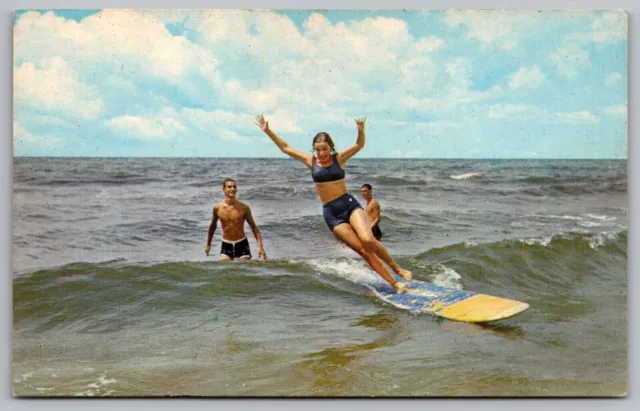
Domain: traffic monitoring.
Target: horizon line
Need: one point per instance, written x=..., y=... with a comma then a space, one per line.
x=358, y=158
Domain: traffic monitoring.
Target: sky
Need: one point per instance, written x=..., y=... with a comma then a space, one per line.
x=432, y=84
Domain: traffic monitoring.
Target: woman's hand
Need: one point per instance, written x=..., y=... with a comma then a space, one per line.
x=262, y=123
x=360, y=124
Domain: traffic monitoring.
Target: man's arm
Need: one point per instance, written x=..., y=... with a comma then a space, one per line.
x=256, y=233
x=376, y=212
x=212, y=228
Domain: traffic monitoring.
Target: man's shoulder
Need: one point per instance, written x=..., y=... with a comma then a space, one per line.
x=374, y=203
x=242, y=205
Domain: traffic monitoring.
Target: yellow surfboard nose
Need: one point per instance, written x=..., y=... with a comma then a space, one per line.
x=482, y=308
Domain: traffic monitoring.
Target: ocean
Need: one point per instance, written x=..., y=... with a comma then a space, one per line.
x=114, y=296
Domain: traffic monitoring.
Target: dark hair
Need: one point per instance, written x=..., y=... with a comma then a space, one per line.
x=367, y=186
x=226, y=180
x=323, y=137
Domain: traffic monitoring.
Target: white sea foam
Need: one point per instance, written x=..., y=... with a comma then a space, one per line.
x=595, y=241
x=465, y=176
x=602, y=217
x=353, y=270
x=590, y=224
x=545, y=241
x=98, y=388
x=601, y=239
x=441, y=274
x=565, y=217
x=447, y=277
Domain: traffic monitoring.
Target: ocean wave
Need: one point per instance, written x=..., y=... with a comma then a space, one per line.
x=602, y=217
x=276, y=192
x=355, y=271
x=437, y=273
x=466, y=176
x=103, y=181
x=398, y=180
x=99, y=297
x=575, y=186
x=148, y=230
x=572, y=240
x=563, y=242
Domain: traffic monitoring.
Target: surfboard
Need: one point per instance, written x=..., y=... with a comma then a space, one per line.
x=451, y=303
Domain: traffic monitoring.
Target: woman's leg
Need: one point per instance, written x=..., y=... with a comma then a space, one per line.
x=360, y=223
x=346, y=234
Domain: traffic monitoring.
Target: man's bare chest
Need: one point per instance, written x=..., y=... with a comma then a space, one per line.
x=231, y=213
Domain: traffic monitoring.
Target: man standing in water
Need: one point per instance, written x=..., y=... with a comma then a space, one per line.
x=232, y=215
x=373, y=210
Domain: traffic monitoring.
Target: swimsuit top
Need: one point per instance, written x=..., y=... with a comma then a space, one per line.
x=324, y=174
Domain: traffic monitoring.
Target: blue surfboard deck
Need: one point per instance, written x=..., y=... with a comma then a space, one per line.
x=450, y=303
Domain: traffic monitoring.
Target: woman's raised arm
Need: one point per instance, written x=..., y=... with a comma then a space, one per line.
x=301, y=156
x=350, y=151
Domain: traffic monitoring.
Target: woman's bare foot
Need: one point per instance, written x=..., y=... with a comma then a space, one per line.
x=404, y=273
x=400, y=287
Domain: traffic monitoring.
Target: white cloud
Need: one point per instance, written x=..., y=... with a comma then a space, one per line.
x=19, y=133
x=228, y=135
x=493, y=27
x=452, y=89
x=254, y=99
x=455, y=98
x=530, y=77
x=459, y=72
x=613, y=78
x=540, y=115
x=423, y=128
x=56, y=87
x=570, y=59
x=161, y=127
x=131, y=40
x=419, y=73
x=500, y=111
x=429, y=44
x=577, y=117
x=285, y=120
x=216, y=121
x=406, y=154
x=263, y=33
x=339, y=59
x=22, y=136
x=208, y=121
x=347, y=63
x=617, y=111
x=611, y=27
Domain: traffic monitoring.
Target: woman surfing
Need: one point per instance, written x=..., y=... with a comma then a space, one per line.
x=342, y=212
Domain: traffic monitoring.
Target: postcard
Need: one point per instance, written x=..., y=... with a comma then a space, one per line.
x=314, y=203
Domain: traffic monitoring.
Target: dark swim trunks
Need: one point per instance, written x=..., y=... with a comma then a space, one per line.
x=377, y=233
x=235, y=249
x=339, y=210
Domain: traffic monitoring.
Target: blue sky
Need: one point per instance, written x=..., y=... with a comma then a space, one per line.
x=432, y=84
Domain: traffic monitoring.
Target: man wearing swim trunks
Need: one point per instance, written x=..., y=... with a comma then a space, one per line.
x=373, y=210
x=232, y=215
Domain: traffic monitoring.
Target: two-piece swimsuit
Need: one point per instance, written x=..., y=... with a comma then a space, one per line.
x=339, y=210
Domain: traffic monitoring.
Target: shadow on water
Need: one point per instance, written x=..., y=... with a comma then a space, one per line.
x=380, y=321
x=333, y=369
x=329, y=370
x=512, y=332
